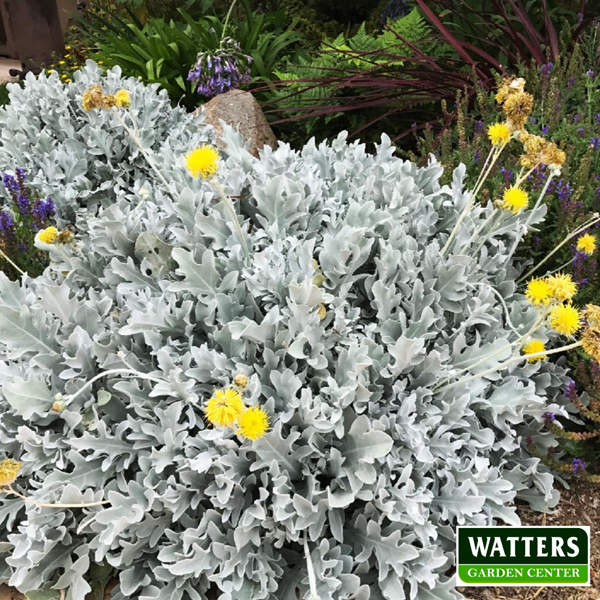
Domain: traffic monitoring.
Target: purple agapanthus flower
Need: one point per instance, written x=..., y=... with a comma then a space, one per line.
x=225, y=69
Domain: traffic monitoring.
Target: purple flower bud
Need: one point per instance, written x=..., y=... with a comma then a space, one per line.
x=549, y=416
x=578, y=465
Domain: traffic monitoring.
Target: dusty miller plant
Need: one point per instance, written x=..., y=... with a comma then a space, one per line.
x=345, y=317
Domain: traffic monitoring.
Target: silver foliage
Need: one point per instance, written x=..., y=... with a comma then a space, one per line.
x=363, y=457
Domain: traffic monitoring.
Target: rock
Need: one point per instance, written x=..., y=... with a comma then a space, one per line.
x=240, y=110
x=7, y=593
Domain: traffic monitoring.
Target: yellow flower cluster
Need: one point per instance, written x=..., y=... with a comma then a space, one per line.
x=556, y=292
x=94, y=97
x=9, y=470
x=226, y=408
x=516, y=103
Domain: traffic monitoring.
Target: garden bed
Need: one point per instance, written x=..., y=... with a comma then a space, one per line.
x=579, y=505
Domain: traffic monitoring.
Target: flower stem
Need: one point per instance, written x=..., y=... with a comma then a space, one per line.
x=138, y=143
x=312, y=580
x=226, y=22
x=232, y=214
x=479, y=230
x=529, y=218
x=495, y=153
x=133, y=372
x=510, y=361
x=9, y=489
x=569, y=237
x=3, y=255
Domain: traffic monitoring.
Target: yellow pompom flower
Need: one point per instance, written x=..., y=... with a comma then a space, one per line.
x=565, y=319
x=123, y=99
x=499, y=133
x=254, y=423
x=225, y=407
x=515, y=200
x=587, y=243
x=48, y=235
x=9, y=470
x=538, y=291
x=534, y=347
x=590, y=342
x=202, y=161
x=562, y=286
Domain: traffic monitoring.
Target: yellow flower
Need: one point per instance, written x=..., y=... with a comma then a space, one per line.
x=508, y=87
x=9, y=469
x=499, y=133
x=67, y=47
x=64, y=76
x=590, y=342
x=538, y=291
x=65, y=236
x=100, y=62
x=534, y=347
x=562, y=286
x=50, y=71
x=517, y=108
x=67, y=81
x=253, y=424
x=109, y=101
x=202, y=161
x=123, y=99
x=48, y=235
x=93, y=97
x=565, y=319
x=591, y=313
x=62, y=62
x=515, y=199
x=552, y=155
x=67, y=56
x=225, y=407
x=241, y=380
x=587, y=243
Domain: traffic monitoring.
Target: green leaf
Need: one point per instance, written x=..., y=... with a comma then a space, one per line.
x=42, y=595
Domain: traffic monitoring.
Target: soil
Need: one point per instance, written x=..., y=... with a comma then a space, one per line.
x=579, y=505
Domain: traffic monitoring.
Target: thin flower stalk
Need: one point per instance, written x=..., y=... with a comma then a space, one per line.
x=9, y=489
x=132, y=372
x=479, y=230
x=490, y=232
x=530, y=217
x=495, y=155
x=509, y=362
x=232, y=214
x=519, y=341
x=138, y=143
x=575, y=233
x=3, y=255
x=312, y=580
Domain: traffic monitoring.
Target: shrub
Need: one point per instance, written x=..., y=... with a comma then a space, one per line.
x=84, y=160
x=312, y=80
x=163, y=52
x=350, y=324
x=568, y=112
